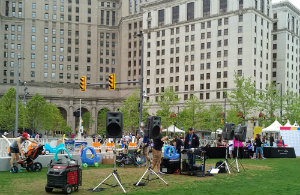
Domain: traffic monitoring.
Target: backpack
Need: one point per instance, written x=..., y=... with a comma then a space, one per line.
x=222, y=168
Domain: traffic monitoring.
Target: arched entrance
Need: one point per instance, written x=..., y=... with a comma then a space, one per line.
x=101, y=120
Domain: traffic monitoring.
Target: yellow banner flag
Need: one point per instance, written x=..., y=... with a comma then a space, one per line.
x=257, y=130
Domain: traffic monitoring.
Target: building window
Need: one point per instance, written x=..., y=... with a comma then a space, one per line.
x=206, y=8
x=241, y=4
x=161, y=16
x=223, y=6
x=190, y=11
x=175, y=14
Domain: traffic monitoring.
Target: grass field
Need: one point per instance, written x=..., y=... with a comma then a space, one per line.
x=268, y=177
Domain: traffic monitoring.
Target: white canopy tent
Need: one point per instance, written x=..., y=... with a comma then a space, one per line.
x=273, y=128
x=173, y=129
x=295, y=124
x=288, y=124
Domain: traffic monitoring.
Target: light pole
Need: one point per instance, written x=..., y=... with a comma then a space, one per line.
x=141, y=79
x=24, y=102
x=17, y=97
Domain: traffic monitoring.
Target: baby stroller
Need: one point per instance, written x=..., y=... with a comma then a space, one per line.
x=131, y=157
x=34, y=151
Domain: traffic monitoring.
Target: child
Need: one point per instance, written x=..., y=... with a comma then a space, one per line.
x=250, y=149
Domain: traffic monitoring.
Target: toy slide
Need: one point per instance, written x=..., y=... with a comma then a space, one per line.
x=89, y=161
x=49, y=149
x=8, y=143
x=59, y=150
x=171, y=153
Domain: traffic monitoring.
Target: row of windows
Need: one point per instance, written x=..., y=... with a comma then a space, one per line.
x=190, y=11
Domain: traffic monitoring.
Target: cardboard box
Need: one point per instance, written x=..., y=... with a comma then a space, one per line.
x=108, y=161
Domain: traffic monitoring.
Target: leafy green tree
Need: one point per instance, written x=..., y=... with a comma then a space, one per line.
x=269, y=103
x=87, y=121
x=211, y=117
x=190, y=115
x=243, y=98
x=8, y=111
x=131, y=112
x=102, y=121
x=233, y=116
x=167, y=103
x=291, y=107
x=42, y=115
x=53, y=120
x=36, y=110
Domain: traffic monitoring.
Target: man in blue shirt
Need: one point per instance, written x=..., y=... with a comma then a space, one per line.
x=191, y=141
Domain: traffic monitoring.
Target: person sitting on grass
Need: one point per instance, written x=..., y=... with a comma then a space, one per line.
x=16, y=149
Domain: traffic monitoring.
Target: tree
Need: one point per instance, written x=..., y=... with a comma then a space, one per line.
x=292, y=107
x=269, y=102
x=102, y=121
x=53, y=120
x=87, y=121
x=8, y=111
x=42, y=115
x=233, y=116
x=131, y=112
x=243, y=98
x=36, y=110
x=190, y=115
x=211, y=117
x=167, y=103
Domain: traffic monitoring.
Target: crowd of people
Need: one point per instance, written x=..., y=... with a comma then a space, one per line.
x=254, y=146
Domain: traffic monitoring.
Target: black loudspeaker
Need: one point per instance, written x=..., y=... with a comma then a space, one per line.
x=114, y=124
x=228, y=131
x=240, y=132
x=152, y=128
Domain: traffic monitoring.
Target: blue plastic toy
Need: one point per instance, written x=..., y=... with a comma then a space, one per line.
x=49, y=149
x=171, y=153
x=89, y=161
x=59, y=150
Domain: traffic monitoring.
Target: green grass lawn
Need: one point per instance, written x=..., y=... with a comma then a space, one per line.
x=268, y=177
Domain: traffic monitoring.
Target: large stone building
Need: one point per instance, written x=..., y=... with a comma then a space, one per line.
x=285, y=66
x=55, y=42
x=194, y=46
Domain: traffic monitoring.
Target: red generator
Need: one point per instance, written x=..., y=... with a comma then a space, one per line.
x=64, y=175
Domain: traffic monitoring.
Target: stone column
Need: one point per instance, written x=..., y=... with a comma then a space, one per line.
x=94, y=118
x=71, y=118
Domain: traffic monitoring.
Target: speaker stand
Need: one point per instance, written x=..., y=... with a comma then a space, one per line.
x=150, y=171
x=114, y=173
x=236, y=161
x=225, y=161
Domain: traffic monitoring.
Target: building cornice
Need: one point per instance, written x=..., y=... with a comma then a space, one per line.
x=286, y=31
x=232, y=13
x=286, y=4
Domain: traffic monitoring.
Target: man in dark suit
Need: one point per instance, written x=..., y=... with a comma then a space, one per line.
x=191, y=141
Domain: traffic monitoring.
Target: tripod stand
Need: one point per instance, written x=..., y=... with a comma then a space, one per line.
x=114, y=174
x=236, y=160
x=225, y=161
x=150, y=171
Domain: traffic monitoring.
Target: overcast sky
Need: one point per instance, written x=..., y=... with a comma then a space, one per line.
x=295, y=2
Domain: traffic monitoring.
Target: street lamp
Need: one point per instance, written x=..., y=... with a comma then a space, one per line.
x=24, y=102
x=141, y=79
x=17, y=97
x=280, y=101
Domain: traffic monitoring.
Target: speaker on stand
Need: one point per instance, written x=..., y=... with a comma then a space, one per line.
x=227, y=133
x=114, y=129
x=240, y=135
x=152, y=130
